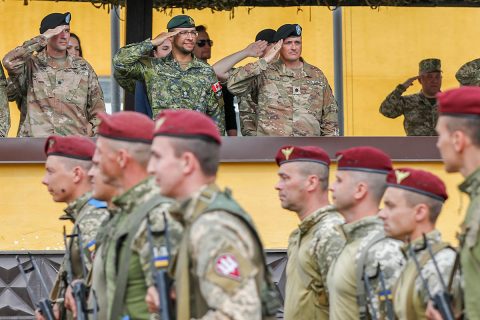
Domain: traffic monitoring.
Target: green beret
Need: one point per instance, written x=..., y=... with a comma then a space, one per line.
x=54, y=20
x=429, y=65
x=469, y=73
x=287, y=30
x=181, y=21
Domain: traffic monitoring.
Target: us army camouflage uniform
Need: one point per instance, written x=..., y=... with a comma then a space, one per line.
x=4, y=110
x=420, y=116
x=342, y=279
x=469, y=73
x=219, y=269
x=114, y=248
x=470, y=246
x=168, y=86
x=409, y=294
x=62, y=100
x=311, y=249
x=290, y=103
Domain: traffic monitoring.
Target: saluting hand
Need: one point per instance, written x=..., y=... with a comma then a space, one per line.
x=53, y=32
x=409, y=82
x=256, y=49
x=273, y=52
x=164, y=36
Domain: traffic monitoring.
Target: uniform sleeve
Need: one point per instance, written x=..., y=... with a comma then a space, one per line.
x=224, y=266
x=89, y=226
x=240, y=80
x=4, y=110
x=95, y=101
x=393, y=105
x=329, y=120
x=247, y=107
x=127, y=64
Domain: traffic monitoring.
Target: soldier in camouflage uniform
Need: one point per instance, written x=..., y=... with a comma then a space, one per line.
x=294, y=97
x=469, y=73
x=303, y=188
x=4, y=110
x=68, y=161
x=354, y=279
x=220, y=269
x=413, y=201
x=419, y=109
x=458, y=130
x=61, y=92
x=123, y=150
x=178, y=81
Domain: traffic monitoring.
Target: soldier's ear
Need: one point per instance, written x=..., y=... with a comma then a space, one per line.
x=78, y=174
x=421, y=212
x=189, y=162
x=459, y=140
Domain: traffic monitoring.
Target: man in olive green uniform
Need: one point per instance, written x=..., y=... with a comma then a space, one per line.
x=178, y=81
x=123, y=150
x=413, y=202
x=68, y=161
x=220, y=269
x=294, y=97
x=369, y=262
x=469, y=73
x=4, y=110
x=303, y=188
x=458, y=128
x=419, y=109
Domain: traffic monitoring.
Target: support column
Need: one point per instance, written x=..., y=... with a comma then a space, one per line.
x=338, y=65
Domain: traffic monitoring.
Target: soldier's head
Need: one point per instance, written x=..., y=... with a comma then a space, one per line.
x=469, y=73
x=59, y=42
x=291, y=34
x=101, y=190
x=360, y=180
x=123, y=148
x=458, y=129
x=266, y=35
x=303, y=178
x=430, y=76
x=184, y=41
x=413, y=201
x=163, y=49
x=203, y=45
x=68, y=161
x=185, y=152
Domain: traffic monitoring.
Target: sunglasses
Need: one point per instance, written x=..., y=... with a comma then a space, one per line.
x=202, y=43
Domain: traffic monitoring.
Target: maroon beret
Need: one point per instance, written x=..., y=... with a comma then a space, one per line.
x=367, y=159
x=418, y=181
x=127, y=126
x=186, y=124
x=463, y=101
x=75, y=147
x=304, y=154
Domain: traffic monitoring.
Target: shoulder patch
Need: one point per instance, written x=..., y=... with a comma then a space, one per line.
x=97, y=203
x=227, y=265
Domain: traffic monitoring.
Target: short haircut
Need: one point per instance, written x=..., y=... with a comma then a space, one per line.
x=70, y=163
x=316, y=169
x=435, y=206
x=201, y=28
x=139, y=151
x=206, y=152
x=377, y=183
x=470, y=126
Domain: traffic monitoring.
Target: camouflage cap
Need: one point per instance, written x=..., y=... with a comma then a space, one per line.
x=418, y=181
x=302, y=154
x=429, y=65
x=266, y=35
x=287, y=30
x=367, y=159
x=75, y=147
x=54, y=20
x=460, y=102
x=469, y=73
x=127, y=126
x=181, y=21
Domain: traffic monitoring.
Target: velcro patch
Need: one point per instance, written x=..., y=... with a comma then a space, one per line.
x=227, y=265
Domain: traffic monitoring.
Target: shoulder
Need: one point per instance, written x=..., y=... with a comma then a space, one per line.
x=313, y=71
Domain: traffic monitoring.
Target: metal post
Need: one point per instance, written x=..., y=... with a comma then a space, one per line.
x=338, y=65
x=114, y=45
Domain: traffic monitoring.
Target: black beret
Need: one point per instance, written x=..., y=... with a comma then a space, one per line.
x=54, y=20
x=181, y=21
x=266, y=35
x=287, y=30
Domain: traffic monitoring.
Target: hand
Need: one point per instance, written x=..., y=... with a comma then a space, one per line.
x=152, y=299
x=409, y=82
x=163, y=36
x=69, y=300
x=273, y=52
x=38, y=315
x=256, y=49
x=53, y=32
x=431, y=313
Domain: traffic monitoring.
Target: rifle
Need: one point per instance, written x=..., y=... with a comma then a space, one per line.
x=385, y=294
x=442, y=301
x=369, y=290
x=45, y=305
x=159, y=269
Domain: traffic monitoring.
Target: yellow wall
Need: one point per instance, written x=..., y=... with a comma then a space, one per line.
x=381, y=47
x=28, y=218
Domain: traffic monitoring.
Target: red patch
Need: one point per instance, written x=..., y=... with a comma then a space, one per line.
x=216, y=87
x=227, y=265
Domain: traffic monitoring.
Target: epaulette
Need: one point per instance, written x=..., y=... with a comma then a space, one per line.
x=97, y=203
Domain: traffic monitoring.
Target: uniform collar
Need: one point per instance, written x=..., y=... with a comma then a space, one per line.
x=308, y=69
x=43, y=59
x=130, y=198
x=418, y=244
x=71, y=211
x=314, y=218
x=361, y=228
x=471, y=185
x=194, y=63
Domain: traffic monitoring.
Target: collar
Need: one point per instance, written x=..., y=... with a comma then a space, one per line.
x=307, y=69
x=130, y=198
x=169, y=59
x=471, y=185
x=418, y=244
x=74, y=207
x=43, y=59
x=361, y=228
x=314, y=218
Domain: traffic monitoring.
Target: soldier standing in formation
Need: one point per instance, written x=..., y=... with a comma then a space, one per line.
x=469, y=73
x=67, y=165
x=178, y=81
x=220, y=268
x=368, y=256
x=413, y=202
x=294, y=97
x=303, y=188
x=61, y=93
x=419, y=109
